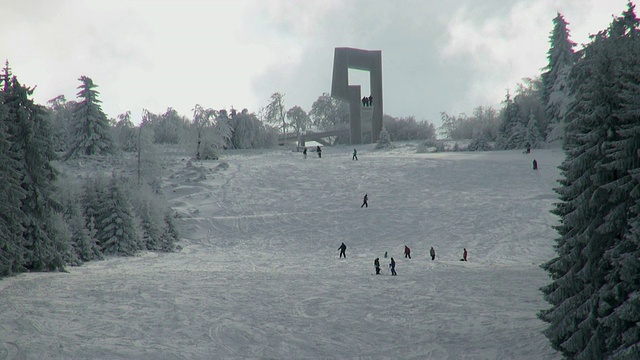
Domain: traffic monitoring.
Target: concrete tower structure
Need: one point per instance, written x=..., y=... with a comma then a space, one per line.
x=368, y=60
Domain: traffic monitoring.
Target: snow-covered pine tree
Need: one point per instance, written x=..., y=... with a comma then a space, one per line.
x=512, y=131
x=125, y=133
x=83, y=233
x=92, y=194
x=117, y=229
x=384, y=141
x=554, y=80
x=92, y=133
x=12, y=244
x=533, y=136
x=29, y=134
x=594, y=290
x=170, y=234
x=150, y=212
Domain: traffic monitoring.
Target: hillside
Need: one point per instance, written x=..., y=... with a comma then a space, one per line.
x=259, y=274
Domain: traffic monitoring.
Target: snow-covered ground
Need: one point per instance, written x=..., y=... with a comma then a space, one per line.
x=259, y=274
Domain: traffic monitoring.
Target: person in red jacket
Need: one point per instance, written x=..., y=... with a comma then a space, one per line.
x=407, y=252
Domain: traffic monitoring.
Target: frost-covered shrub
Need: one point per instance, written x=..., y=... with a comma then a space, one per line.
x=385, y=140
x=479, y=145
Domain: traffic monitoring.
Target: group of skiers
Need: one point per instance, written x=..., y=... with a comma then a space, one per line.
x=392, y=264
x=319, y=152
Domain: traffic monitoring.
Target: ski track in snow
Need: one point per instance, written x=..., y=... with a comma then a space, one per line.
x=259, y=275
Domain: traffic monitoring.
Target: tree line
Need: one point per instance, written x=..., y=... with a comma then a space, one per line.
x=591, y=103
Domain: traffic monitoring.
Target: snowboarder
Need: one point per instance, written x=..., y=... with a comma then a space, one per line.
x=535, y=164
x=464, y=255
x=304, y=153
x=376, y=263
x=319, y=151
x=432, y=252
x=364, y=202
x=407, y=252
x=392, y=265
x=355, y=155
x=342, y=249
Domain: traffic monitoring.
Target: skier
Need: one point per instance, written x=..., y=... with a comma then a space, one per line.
x=376, y=263
x=392, y=265
x=355, y=155
x=535, y=164
x=342, y=248
x=432, y=252
x=304, y=152
x=464, y=255
x=407, y=252
x=319, y=151
x=364, y=202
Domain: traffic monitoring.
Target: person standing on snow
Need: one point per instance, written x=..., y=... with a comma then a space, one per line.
x=376, y=263
x=304, y=152
x=319, y=151
x=364, y=202
x=432, y=252
x=407, y=252
x=392, y=265
x=464, y=255
x=342, y=249
x=355, y=155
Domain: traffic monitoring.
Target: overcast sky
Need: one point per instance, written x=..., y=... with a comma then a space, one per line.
x=437, y=55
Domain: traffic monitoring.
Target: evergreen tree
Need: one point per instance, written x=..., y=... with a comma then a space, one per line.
x=554, y=80
x=532, y=132
x=60, y=113
x=149, y=210
x=117, y=230
x=594, y=299
x=29, y=134
x=511, y=130
x=125, y=133
x=170, y=234
x=83, y=232
x=92, y=134
x=385, y=140
x=12, y=218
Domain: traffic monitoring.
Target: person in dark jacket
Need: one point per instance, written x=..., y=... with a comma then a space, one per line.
x=304, y=152
x=355, y=155
x=364, y=201
x=319, y=151
x=432, y=252
x=407, y=252
x=464, y=255
x=392, y=265
x=535, y=164
x=376, y=263
x=342, y=249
